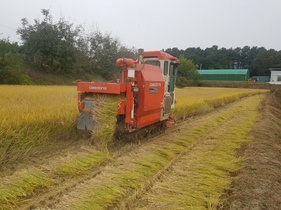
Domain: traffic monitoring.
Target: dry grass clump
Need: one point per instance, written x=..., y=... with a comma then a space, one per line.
x=195, y=100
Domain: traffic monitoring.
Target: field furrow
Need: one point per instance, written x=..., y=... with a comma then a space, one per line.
x=44, y=184
x=121, y=182
x=200, y=176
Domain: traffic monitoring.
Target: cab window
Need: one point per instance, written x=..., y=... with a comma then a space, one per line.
x=153, y=62
x=166, y=70
x=172, y=69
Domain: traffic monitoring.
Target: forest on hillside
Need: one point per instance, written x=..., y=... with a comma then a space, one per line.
x=61, y=48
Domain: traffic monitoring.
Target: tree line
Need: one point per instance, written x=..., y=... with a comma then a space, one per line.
x=60, y=47
x=257, y=59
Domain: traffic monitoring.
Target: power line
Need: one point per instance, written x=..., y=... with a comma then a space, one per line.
x=8, y=27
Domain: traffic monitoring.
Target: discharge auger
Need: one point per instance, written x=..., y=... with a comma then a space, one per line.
x=145, y=92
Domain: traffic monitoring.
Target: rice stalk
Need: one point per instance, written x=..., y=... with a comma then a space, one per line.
x=82, y=164
x=104, y=116
x=25, y=184
x=198, y=181
x=130, y=179
x=197, y=100
x=35, y=118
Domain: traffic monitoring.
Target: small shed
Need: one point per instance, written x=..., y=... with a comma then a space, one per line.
x=275, y=77
x=224, y=74
x=261, y=78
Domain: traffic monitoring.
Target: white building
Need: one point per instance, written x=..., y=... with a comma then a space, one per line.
x=275, y=77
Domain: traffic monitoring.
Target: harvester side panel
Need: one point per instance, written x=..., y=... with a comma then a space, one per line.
x=151, y=85
x=148, y=119
x=100, y=87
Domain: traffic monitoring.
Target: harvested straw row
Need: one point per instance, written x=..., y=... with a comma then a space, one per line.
x=104, y=117
x=200, y=177
x=136, y=171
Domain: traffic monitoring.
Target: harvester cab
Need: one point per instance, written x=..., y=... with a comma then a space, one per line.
x=147, y=87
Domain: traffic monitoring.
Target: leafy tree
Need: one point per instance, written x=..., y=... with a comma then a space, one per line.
x=50, y=45
x=104, y=51
x=11, y=64
x=187, y=70
x=174, y=51
x=61, y=47
x=261, y=62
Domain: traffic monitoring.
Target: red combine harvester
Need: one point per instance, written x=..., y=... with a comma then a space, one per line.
x=148, y=88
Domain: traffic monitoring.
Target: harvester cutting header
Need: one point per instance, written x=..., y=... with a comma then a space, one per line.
x=147, y=86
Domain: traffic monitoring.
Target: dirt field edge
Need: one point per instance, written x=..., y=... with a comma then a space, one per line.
x=258, y=183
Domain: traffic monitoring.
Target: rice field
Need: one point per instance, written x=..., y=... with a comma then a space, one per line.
x=189, y=169
x=39, y=119
x=36, y=118
x=197, y=100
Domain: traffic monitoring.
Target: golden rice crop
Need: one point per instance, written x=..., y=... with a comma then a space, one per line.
x=194, y=100
x=34, y=116
x=37, y=118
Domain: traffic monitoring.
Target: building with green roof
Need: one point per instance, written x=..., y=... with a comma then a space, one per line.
x=224, y=74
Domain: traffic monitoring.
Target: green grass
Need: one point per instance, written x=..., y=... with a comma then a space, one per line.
x=45, y=78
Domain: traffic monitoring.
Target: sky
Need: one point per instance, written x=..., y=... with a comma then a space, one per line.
x=159, y=24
